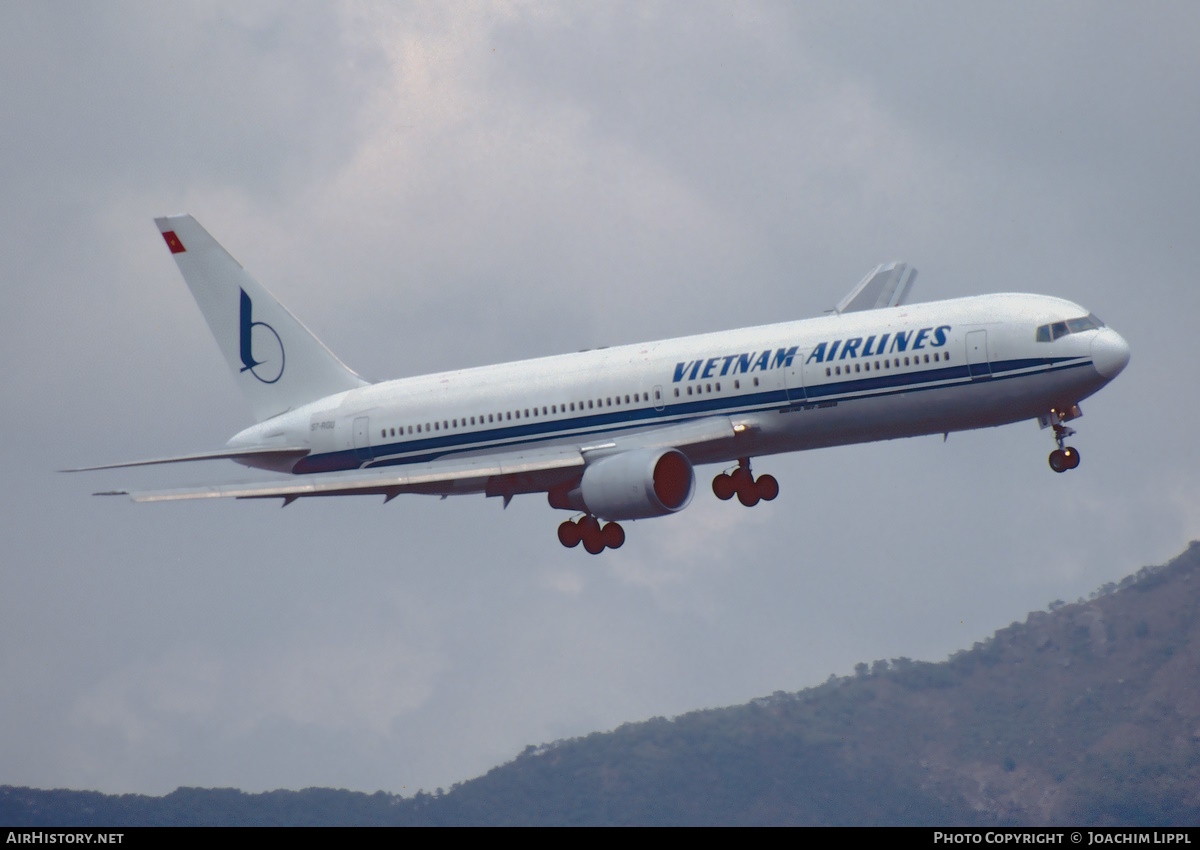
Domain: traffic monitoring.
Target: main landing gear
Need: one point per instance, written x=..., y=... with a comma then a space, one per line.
x=1064, y=457
x=742, y=483
x=594, y=537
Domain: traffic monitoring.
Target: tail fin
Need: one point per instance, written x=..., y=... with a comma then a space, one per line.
x=277, y=362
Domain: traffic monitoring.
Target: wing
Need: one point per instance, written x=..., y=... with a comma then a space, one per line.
x=533, y=469
x=885, y=286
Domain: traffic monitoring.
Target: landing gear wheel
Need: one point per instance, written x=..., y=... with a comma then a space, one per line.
x=768, y=487
x=748, y=496
x=723, y=487
x=589, y=531
x=569, y=534
x=613, y=535
x=1064, y=457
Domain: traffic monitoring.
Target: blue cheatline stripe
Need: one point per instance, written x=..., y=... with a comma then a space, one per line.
x=425, y=449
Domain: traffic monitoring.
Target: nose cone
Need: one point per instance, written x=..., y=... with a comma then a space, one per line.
x=1110, y=353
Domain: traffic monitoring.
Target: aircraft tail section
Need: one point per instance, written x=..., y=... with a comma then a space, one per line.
x=277, y=362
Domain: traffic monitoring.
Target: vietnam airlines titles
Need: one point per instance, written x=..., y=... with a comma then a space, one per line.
x=615, y=434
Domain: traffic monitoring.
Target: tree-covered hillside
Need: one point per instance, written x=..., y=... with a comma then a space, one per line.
x=1086, y=714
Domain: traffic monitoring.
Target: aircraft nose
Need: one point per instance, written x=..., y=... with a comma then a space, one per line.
x=1110, y=353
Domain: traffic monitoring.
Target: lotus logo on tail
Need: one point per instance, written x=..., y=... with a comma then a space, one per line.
x=269, y=370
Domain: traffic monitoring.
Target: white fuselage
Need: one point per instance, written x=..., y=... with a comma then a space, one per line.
x=837, y=379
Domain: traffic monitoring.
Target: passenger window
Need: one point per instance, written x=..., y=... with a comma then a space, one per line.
x=589, y=404
x=856, y=369
x=718, y=386
x=827, y=372
x=689, y=389
x=737, y=385
x=926, y=358
x=756, y=382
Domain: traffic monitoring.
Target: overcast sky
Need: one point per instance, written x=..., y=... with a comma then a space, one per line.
x=445, y=185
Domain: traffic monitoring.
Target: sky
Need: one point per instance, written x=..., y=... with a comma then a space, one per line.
x=434, y=186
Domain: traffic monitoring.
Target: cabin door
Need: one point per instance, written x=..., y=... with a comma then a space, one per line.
x=362, y=438
x=977, y=356
x=794, y=378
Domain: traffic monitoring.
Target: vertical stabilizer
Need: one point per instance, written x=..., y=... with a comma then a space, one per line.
x=277, y=362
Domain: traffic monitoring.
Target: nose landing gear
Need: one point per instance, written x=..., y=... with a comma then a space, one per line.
x=1064, y=457
x=594, y=537
x=742, y=483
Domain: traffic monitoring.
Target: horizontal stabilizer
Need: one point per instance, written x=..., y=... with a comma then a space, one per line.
x=265, y=456
x=886, y=286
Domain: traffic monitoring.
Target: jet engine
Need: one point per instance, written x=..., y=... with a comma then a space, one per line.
x=632, y=485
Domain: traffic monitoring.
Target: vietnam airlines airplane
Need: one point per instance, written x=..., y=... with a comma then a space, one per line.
x=616, y=433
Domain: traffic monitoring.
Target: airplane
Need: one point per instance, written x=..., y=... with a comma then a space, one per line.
x=615, y=434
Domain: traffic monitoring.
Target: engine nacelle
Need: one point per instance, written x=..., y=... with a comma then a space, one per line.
x=632, y=485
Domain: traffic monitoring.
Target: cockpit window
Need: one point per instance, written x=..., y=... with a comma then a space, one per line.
x=1090, y=322
x=1087, y=323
